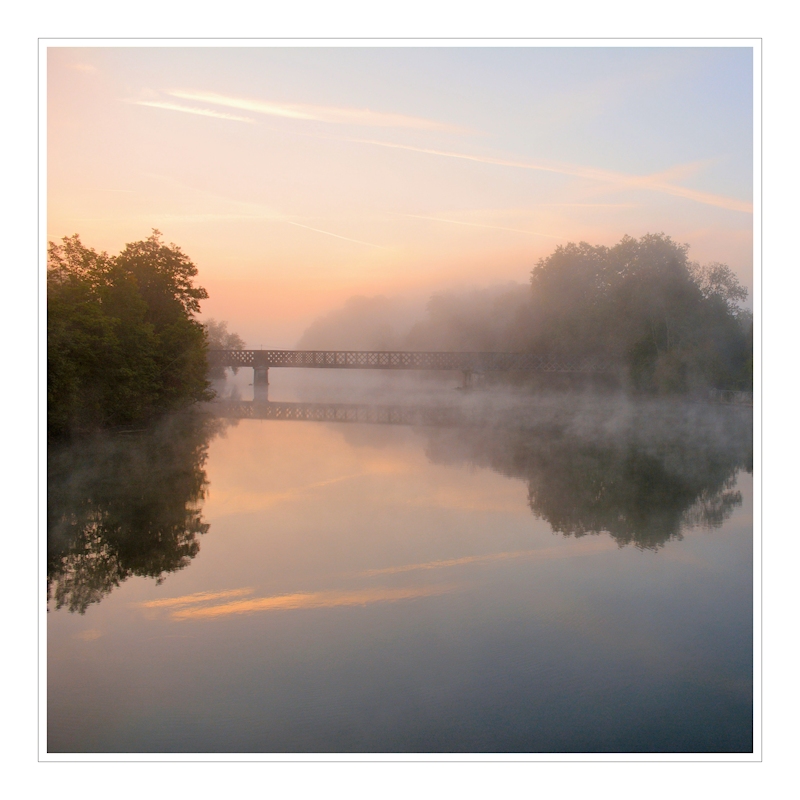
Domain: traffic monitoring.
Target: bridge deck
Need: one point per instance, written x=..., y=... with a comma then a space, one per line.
x=404, y=360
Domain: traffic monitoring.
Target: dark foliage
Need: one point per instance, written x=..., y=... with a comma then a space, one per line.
x=101, y=530
x=643, y=478
x=122, y=340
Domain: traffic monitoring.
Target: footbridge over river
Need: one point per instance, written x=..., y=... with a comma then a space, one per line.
x=468, y=364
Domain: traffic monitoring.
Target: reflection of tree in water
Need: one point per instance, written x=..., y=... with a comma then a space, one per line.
x=122, y=505
x=644, y=485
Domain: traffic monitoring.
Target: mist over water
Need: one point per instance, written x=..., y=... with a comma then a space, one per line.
x=510, y=579
x=125, y=504
x=378, y=561
x=554, y=558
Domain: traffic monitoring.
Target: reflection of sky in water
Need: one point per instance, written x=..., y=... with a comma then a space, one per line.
x=351, y=594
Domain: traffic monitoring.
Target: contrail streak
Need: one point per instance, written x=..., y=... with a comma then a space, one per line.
x=203, y=112
x=653, y=183
x=328, y=233
x=482, y=225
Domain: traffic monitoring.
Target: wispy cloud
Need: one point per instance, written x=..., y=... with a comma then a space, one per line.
x=203, y=112
x=197, y=597
x=654, y=183
x=680, y=171
x=301, y=111
x=244, y=210
x=335, y=235
x=83, y=67
x=240, y=211
x=218, y=217
x=308, y=600
x=243, y=501
x=482, y=225
x=548, y=553
x=585, y=205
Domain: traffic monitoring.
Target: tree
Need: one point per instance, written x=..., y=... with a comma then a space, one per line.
x=164, y=277
x=122, y=341
x=670, y=324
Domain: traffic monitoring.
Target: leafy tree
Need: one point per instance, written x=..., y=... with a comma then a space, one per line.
x=164, y=277
x=670, y=324
x=122, y=341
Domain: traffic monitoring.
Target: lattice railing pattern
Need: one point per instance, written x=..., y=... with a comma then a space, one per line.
x=730, y=397
x=342, y=412
x=378, y=359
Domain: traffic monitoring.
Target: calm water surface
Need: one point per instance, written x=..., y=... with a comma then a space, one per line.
x=257, y=585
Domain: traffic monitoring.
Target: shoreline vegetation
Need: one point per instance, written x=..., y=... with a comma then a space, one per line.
x=668, y=325
x=124, y=346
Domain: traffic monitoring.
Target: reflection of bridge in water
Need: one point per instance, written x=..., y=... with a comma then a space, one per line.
x=546, y=411
x=439, y=416
x=468, y=364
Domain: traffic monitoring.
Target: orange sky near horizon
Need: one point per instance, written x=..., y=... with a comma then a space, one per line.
x=297, y=177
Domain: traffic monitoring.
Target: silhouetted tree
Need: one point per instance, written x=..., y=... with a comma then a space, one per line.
x=122, y=340
x=122, y=505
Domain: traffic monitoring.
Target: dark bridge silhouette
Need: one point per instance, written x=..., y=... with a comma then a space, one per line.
x=468, y=364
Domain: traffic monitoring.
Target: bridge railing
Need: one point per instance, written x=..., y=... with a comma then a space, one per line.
x=405, y=360
x=342, y=412
x=730, y=397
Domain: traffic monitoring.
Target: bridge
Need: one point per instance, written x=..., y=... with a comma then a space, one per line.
x=468, y=364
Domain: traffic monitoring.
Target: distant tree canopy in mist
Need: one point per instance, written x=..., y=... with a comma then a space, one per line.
x=668, y=324
x=495, y=319
x=219, y=338
x=122, y=339
x=363, y=323
x=672, y=324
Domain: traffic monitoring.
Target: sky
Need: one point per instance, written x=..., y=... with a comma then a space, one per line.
x=296, y=177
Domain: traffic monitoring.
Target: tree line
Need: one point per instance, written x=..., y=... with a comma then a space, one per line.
x=123, y=343
x=668, y=324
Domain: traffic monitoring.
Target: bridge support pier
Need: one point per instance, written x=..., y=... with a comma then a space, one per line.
x=261, y=383
x=467, y=383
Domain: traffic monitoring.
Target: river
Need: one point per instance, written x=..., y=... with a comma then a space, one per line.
x=577, y=580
